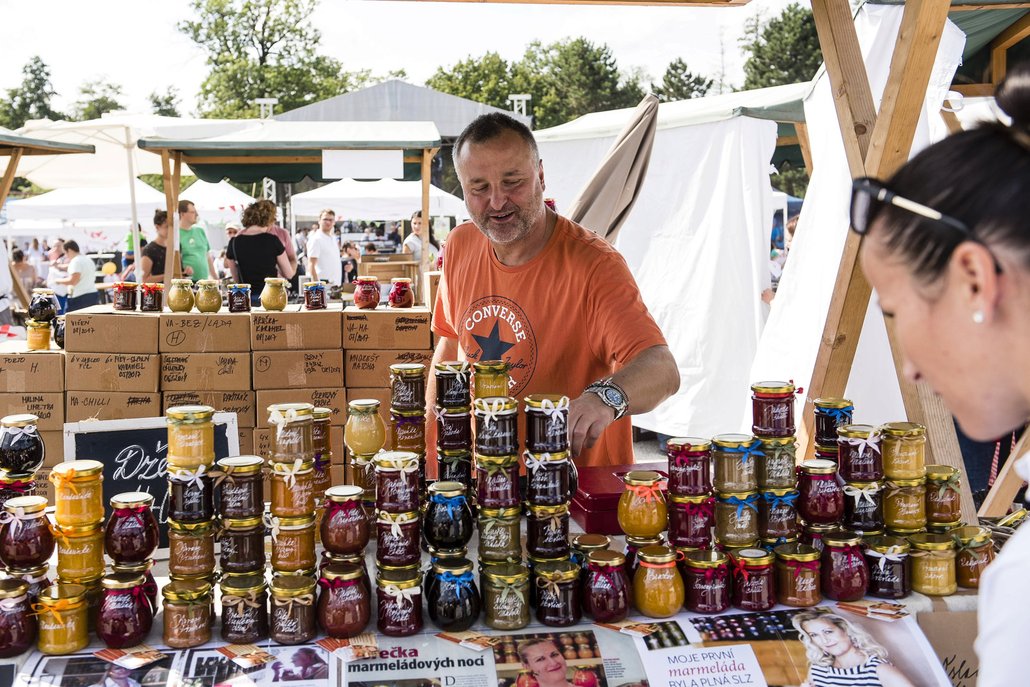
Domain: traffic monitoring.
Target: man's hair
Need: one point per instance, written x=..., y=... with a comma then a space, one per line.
x=17, y=255
x=370, y=247
x=327, y=211
x=184, y=205
x=490, y=126
x=72, y=245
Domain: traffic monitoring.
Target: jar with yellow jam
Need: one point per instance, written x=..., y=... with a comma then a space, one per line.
x=490, y=378
x=797, y=575
x=191, y=437
x=658, y=590
x=191, y=548
x=80, y=551
x=62, y=613
x=975, y=553
x=292, y=439
x=642, y=511
x=904, y=450
x=274, y=296
x=933, y=564
x=365, y=431
x=37, y=335
x=293, y=544
x=293, y=493
x=904, y=504
x=78, y=493
x=735, y=457
x=943, y=500
x=736, y=518
x=180, y=296
x=187, y=614
x=208, y=297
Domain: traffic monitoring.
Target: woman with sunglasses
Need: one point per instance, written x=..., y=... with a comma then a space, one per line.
x=947, y=249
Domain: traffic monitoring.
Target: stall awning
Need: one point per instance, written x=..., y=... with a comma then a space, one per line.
x=9, y=141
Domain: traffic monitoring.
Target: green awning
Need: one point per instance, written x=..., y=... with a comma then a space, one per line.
x=37, y=146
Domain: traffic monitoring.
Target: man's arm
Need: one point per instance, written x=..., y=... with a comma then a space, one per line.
x=312, y=268
x=446, y=349
x=211, y=274
x=648, y=379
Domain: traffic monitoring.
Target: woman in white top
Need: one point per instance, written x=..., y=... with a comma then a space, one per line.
x=413, y=242
x=81, y=279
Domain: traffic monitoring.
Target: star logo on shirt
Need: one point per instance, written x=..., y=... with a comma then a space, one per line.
x=494, y=347
x=496, y=328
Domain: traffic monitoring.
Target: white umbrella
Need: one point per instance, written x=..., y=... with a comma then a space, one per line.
x=385, y=199
x=88, y=203
x=217, y=203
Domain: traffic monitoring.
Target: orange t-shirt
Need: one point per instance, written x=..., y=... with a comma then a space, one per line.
x=570, y=316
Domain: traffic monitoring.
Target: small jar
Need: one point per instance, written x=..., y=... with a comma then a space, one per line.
x=888, y=563
x=21, y=447
x=241, y=487
x=397, y=481
x=797, y=575
x=490, y=379
x=344, y=528
x=365, y=431
x=180, y=296
x=447, y=559
x=975, y=553
x=772, y=408
x=734, y=457
x=239, y=298
x=315, y=297
x=812, y=535
x=131, y=534
x=454, y=466
x=126, y=614
x=124, y=295
x=548, y=478
x=642, y=511
x=408, y=386
x=547, y=531
x=242, y=545
x=37, y=579
x=585, y=544
x=408, y=430
x=190, y=495
x=454, y=428
x=691, y=519
x=506, y=596
x=943, y=489
x=736, y=518
x=859, y=453
x=62, y=616
x=500, y=534
x=292, y=438
x=558, y=594
x=187, y=614
x=13, y=485
x=209, y=297
x=452, y=384
x=191, y=437
x=401, y=294
x=658, y=590
x=776, y=461
x=151, y=297
x=934, y=571
x=293, y=489
x=59, y=331
x=496, y=426
x=191, y=548
x=547, y=423
x=821, y=498
x=831, y=413
x=25, y=537
x=447, y=521
x=293, y=618
x=497, y=481
x=293, y=544
x=754, y=587
x=690, y=466
x=244, y=609
x=273, y=295
x=80, y=552
x=398, y=539
x=366, y=292
x=778, y=514
x=904, y=504
x=843, y=572
x=399, y=602
x=43, y=305
x=863, y=506
x=37, y=335
x=143, y=568
x=18, y=625
x=454, y=601
x=904, y=450
x=605, y=587
x=706, y=580
x=633, y=545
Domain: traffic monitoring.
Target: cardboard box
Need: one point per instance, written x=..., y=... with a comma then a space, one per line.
x=372, y=368
x=381, y=394
x=43, y=485
x=296, y=329
x=431, y=285
x=262, y=442
x=137, y=372
x=99, y=329
x=53, y=448
x=204, y=332
x=22, y=370
x=335, y=398
x=107, y=405
x=239, y=402
x=205, y=371
x=382, y=328
x=246, y=441
x=48, y=407
x=298, y=369
x=951, y=634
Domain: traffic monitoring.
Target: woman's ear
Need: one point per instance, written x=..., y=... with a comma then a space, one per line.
x=974, y=272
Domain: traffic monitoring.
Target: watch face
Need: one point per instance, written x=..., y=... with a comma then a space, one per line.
x=613, y=396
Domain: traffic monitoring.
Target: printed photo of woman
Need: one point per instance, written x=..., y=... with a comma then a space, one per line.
x=841, y=654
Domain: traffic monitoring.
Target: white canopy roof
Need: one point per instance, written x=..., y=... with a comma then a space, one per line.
x=217, y=203
x=82, y=203
x=386, y=199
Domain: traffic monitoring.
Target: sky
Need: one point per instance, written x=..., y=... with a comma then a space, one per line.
x=134, y=43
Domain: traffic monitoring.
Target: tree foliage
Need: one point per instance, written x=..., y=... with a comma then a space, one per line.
x=679, y=83
x=96, y=98
x=32, y=99
x=165, y=103
x=784, y=50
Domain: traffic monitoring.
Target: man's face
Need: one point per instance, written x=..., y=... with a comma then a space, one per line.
x=503, y=182
x=326, y=223
x=189, y=218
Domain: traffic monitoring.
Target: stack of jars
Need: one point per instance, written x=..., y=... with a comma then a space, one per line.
x=129, y=600
x=408, y=414
x=43, y=309
x=364, y=435
x=454, y=423
x=292, y=481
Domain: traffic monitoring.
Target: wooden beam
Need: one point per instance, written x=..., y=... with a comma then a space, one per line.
x=787, y=141
x=1003, y=492
x=251, y=160
x=1012, y=34
x=172, y=252
x=806, y=147
x=974, y=90
x=971, y=7
x=8, y=179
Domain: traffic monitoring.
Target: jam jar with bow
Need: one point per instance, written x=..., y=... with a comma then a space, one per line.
x=344, y=605
x=132, y=534
x=126, y=614
x=25, y=537
x=454, y=601
x=21, y=446
x=447, y=522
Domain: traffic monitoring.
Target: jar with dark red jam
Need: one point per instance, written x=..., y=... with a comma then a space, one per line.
x=126, y=614
x=144, y=568
x=190, y=495
x=859, y=453
x=547, y=531
x=26, y=540
x=18, y=626
x=754, y=588
x=691, y=519
x=366, y=292
x=21, y=446
x=344, y=528
x=455, y=466
x=690, y=466
x=585, y=544
x=831, y=413
x=547, y=423
x=239, y=298
x=399, y=602
x=454, y=601
x=452, y=384
x=151, y=297
x=558, y=602
x=496, y=426
x=131, y=535
x=548, y=478
x=776, y=464
x=706, y=581
x=244, y=609
x=293, y=618
x=240, y=484
x=812, y=535
x=454, y=428
x=37, y=578
x=447, y=522
x=124, y=295
x=863, y=506
x=772, y=406
x=398, y=539
x=243, y=545
x=821, y=499
x=634, y=544
x=778, y=514
x=408, y=386
x=844, y=576
x=13, y=485
x=605, y=587
x=888, y=563
x=497, y=481
x=397, y=481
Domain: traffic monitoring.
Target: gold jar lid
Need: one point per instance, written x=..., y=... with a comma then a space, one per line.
x=857, y=431
x=454, y=367
x=456, y=411
x=641, y=542
x=288, y=586
x=705, y=558
x=497, y=461
x=540, y=561
x=203, y=283
x=12, y=588
x=455, y=566
x=776, y=387
x=136, y=568
x=242, y=523
x=924, y=541
x=903, y=430
x=733, y=440
x=33, y=572
x=841, y=537
x=42, y=290
x=400, y=280
x=494, y=366
x=688, y=444
x=779, y=491
x=34, y=324
x=343, y=493
x=548, y=511
x=395, y=460
x=801, y=553
x=859, y=484
x=447, y=488
x=397, y=412
x=606, y=558
x=392, y=569
x=772, y=543
x=446, y=553
x=656, y=554
x=753, y=557
x=299, y=410
x=190, y=414
x=7, y=477
x=537, y=401
x=297, y=523
x=27, y=504
x=819, y=466
x=363, y=405
x=366, y=278
x=153, y=286
x=971, y=534
x=83, y=531
x=591, y=542
x=19, y=419
x=416, y=370
x=832, y=402
x=641, y=478
x=122, y=581
x=509, y=573
x=513, y=512
x=885, y=544
x=72, y=593
x=700, y=498
x=320, y=414
x=275, y=281
x=241, y=465
x=940, y=473
x=243, y=584
x=943, y=527
x=305, y=467
x=742, y=495
x=398, y=518
x=460, y=453
x=187, y=282
x=817, y=528
x=558, y=571
x=209, y=578
x=505, y=405
x=132, y=499
x=192, y=528
x=407, y=578
x=183, y=590
x=896, y=483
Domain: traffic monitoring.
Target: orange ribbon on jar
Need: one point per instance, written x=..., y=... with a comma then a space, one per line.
x=648, y=564
x=648, y=492
x=55, y=609
x=64, y=479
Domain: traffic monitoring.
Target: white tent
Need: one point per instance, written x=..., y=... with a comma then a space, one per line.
x=86, y=203
x=217, y=203
x=385, y=199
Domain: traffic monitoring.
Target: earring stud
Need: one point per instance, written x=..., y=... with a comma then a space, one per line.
x=978, y=317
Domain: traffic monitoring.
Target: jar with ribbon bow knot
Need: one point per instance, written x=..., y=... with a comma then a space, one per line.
x=37, y=578
x=706, y=581
x=736, y=518
x=558, y=593
x=500, y=534
x=397, y=481
x=455, y=466
x=797, y=575
x=187, y=614
x=238, y=299
x=690, y=466
x=904, y=450
x=843, y=572
x=399, y=602
x=191, y=437
x=547, y=531
x=606, y=587
x=61, y=613
x=292, y=438
x=191, y=548
x=78, y=493
x=860, y=453
x=132, y=534
x=772, y=409
x=943, y=489
x=398, y=538
x=242, y=545
x=454, y=428
x=366, y=292
x=21, y=447
x=506, y=596
x=365, y=431
x=293, y=618
x=13, y=485
x=408, y=430
x=863, y=506
x=547, y=423
x=496, y=425
x=691, y=520
x=151, y=297
x=658, y=590
x=344, y=528
x=735, y=457
x=934, y=571
x=144, y=568
x=315, y=296
x=888, y=563
x=549, y=478
x=408, y=386
x=975, y=551
x=642, y=511
x=321, y=446
x=293, y=489
x=776, y=464
x=239, y=481
x=80, y=551
x=190, y=495
x=452, y=384
x=244, y=609
x=831, y=413
x=754, y=587
x=18, y=625
x=497, y=481
x=447, y=521
x=821, y=499
x=125, y=615
x=778, y=514
x=454, y=600
x=25, y=537
x=904, y=504
x=293, y=544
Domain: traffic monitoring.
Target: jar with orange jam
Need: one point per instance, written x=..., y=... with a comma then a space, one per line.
x=80, y=551
x=191, y=437
x=658, y=590
x=943, y=502
x=62, y=613
x=490, y=378
x=293, y=544
x=642, y=511
x=975, y=553
x=904, y=450
x=365, y=431
x=933, y=564
x=78, y=493
x=291, y=439
x=904, y=504
x=293, y=489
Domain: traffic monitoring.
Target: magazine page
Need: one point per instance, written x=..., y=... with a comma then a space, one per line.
x=306, y=665
x=86, y=670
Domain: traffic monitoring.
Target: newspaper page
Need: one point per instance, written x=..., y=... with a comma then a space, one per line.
x=86, y=670
x=305, y=665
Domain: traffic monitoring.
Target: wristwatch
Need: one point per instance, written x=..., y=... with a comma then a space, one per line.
x=611, y=394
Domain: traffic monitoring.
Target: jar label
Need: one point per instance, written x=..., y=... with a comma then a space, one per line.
x=456, y=393
x=548, y=599
x=908, y=507
x=286, y=547
x=823, y=487
x=397, y=490
x=499, y=482
x=782, y=469
x=741, y=520
x=240, y=623
x=508, y=606
x=403, y=393
x=119, y=602
x=284, y=622
x=229, y=547
x=347, y=594
x=806, y=583
x=551, y=535
x=410, y=432
x=235, y=497
x=186, y=624
x=495, y=538
x=455, y=431
x=71, y=624
x=712, y=587
x=753, y=586
x=973, y=561
x=886, y=576
x=398, y=615
x=394, y=546
x=187, y=552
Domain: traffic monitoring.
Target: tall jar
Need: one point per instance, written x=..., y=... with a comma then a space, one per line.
x=452, y=384
x=344, y=527
x=821, y=498
x=126, y=614
x=397, y=481
x=943, y=500
x=831, y=413
x=844, y=576
x=187, y=614
x=408, y=386
x=240, y=485
x=934, y=570
x=496, y=426
x=209, y=297
x=190, y=495
x=293, y=489
x=691, y=519
x=904, y=504
x=904, y=450
x=80, y=552
x=293, y=618
x=754, y=586
x=547, y=423
x=18, y=625
x=25, y=537
x=132, y=534
x=690, y=466
x=736, y=518
x=859, y=453
x=706, y=579
x=408, y=430
x=734, y=457
x=975, y=552
x=273, y=295
x=642, y=511
x=454, y=466
x=658, y=590
x=399, y=602
x=490, y=379
x=244, y=609
x=191, y=437
x=497, y=481
x=606, y=587
x=292, y=438
x=888, y=563
x=21, y=448
x=180, y=296
x=63, y=626
x=863, y=506
x=797, y=575
x=772, y=407
x=366, y=292
x=365, y=431
x=500, y=534
x=242, y=545
x=454, y=428
x=558, y=594
x=547, y=531
x=506, y=596
x=778, y=514
x=775, y=468
x=78, y=493
x=447, y=521
x=293, y=544
x=191, y=548
x=548, y=478
x=454, y=600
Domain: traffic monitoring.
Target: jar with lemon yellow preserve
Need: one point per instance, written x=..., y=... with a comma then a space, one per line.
x=365, y=432
x=80, y=551
x=63, y=628
x=904, y=450
x=658, y=590
x=933, y=564
x=642, y=511
x=78, y=493
x=490, y=378
x=191, y=437
x=904, y=504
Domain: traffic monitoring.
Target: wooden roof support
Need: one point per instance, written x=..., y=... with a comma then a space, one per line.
x=806, y=147
x=5, y=188
x=1014, y=33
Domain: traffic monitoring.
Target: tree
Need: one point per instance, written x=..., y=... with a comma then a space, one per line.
x=30, y=100
x=784, y=50
x=166, y=103
x=485, y=79
x=679, y=83
x=96, y=98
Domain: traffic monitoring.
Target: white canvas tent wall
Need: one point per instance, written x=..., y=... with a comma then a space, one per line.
x=385, y=199
x=217, y=203
x=88, y=203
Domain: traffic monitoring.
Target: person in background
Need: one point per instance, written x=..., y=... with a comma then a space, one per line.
x=370, y=249
x=193, y=243
x=350, y=261
x=154, y=253
x=324, y=262
x=394, y=236
x=81, y=280
x=56, y=266
x=286, y=240
x=33, y=253
x=26, y=272
x=413, y=243
x=778, y=260
x=256, y=254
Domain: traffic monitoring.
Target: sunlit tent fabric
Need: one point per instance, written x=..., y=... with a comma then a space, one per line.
x=386, y=199
x=89, y=202
x=216, y=203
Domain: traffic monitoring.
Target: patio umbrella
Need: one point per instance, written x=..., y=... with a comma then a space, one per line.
x=604, y=203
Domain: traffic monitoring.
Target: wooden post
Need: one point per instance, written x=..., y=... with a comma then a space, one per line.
x=1012, y=34
x=806, y=146
x=5, y=188
x=427, y=264
x=171, y=200
x=1006, y=484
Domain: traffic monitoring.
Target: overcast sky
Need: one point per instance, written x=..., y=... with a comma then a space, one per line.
x=135, y=43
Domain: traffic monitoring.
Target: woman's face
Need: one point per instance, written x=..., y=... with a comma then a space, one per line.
x=416, y=225
x=828, y=637
x=162, y=230
x=545, y=662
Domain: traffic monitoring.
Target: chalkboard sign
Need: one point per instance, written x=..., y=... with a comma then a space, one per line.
x=134, y=455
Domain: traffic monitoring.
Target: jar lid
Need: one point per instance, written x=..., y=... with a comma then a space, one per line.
x=305, y=467
x=549, y=511
x=190, y=414
x=314, y=284
x=182, y=282
x=72, y=593
x=455, y=566
x=301, y=410
x=27, y=504
x=706, y=558
x=132, y=499
x=194, y=528
x=490, y=366
x=275, y=281
x=447, y=553
x=754, y=557
x=356, y=558
x=363, y=405
x=183, y=590
x=841, y=537
x=207, y=283
x=884, y=544
x=553, y=457
x=802, y=553
x=895, y=483
x=591, y=542
x=904, y=531
x=857, y=431
x=656, y=554
x=832, y=402
x=82, y=531
x=501, y=512
x=557, y=571
x=724, y=495
x=36, y=324
x=770, y=544
x=777, y=442
x=497, y=461
x=496, y=404
x=700, y=498
x=641, y=542
x=865, y=534
x=540, y=561
x=20, y=419
x=367, y=279
x=819, y=529
x=773, y=387
x=831, y=452
x=971, y=534
x=400, y=280
x=242, y=584
x=454, y=410
x=291, y=585
x=861, y=484
x=460, y=454
x=940, y=472
x=779, y=491
x=44, y=291
x=344, y=492
x=137, y=568
x=297, y=523
x=447, y=488
x=509, y=573
x=408, y=369
x=12, y=588
x=241, y=465
x=638, y=478
x=239, y=287
x=819, y=466
x=242, y=523
x=322, y=413
x=733, y=440
x=903, y=429
x=8, y=477
x=536, y=401
x=924, y=541
x=403, y=579
x=688, y=444
x=943, y=527
x=399, y=518
x=394, y=460
x=453, y=367
x=122, y=581
x=606, y=558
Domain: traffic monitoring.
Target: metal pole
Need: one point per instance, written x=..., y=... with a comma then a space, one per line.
x=132, y=198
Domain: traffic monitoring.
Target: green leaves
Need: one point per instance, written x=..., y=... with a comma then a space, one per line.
x=30, y=100
x=784, y=50
x=679, y=83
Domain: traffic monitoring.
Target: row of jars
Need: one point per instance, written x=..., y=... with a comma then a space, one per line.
x=367, y=292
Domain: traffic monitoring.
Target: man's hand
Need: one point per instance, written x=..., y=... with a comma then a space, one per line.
x=588, y=417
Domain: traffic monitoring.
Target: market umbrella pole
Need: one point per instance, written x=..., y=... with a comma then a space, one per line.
x=129, y=145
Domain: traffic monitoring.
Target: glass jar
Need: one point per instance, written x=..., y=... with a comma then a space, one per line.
x=408, y=386
x=397, y=483
x=904, y=504
x=706, y=581
x=497, y=481
x=190, y=495
x=975, y=552
x=691, y=519
x=241, y=487
x=831, y=413
x=37, y=579
x=180, y=296
x=131, y=535
x=821, y=497
x=365, y=431
x=292, y=438
x=25, y=537
x=152, y=297
x=94, y=597
x=315, y=297
x=408, y=430
x=273, y=295
x=888, y=563
x=293, y=619
x=490, y=379
x=506, y=596
x=605, y=586
x=446, y=559
x=18, y=626
x=863, y=506
x=59, y=331
x=209, y=297
x=293, y=544
x=191, y=437
x=293, y=489
x=452, y=384
x=797, y=575
x=904, y=450
x=344, y=527
x=321, y=422
x=244, y=609
x=943, y=489
x=454, y=601
x=399, y=602
x=401, y=294
x=500, y=534
x=239, y=298
x=934, y=571
x=690, y=466
x=547, y=531
x=37, y=336
x=398, y=539
x=812, y=535
x=736, y=518
x=80, y=552
x=772, y=409
x=547, y=478
x=633, y=545
x=21, y=447
x=143, y=568
x=547, y=423
x=187, y=614
x=843, y=572
x=63, y=625
x=242, y=545
x=778, y=514
x=585, y=544
x=658, y=590
x=642, y=511
x=754, y=587
x=558, y=594
x=366, y=292
x=43, y=305
x=454, y=428
x=734, y=457
x=496, y=425
x=447, y=521
x=126, y=614
x=13, y=485
x=776, y=463
x=454, y=466
x=191, y=548
x=859, y=453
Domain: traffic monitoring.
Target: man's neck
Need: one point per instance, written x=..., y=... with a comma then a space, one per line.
x=522, y=252
x=327, y=232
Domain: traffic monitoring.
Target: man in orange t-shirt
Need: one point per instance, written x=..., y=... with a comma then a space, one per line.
x=552, y=299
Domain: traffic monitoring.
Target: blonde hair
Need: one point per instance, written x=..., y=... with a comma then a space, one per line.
x=860, y=639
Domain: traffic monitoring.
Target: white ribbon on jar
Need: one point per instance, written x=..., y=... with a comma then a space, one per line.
x=18, y=517
x=289, y=473
x=892, y=554
x=15, y=432
x=858, y=494
x=273, y=523
x=189, y=477
x=490, y=410
x=402, y=595
x=871, y=442
x=532, y=463
x=554, y=412
x=461, y=372
x=280, y=419
x=395, y=527
x=405, y=467
x=12, y=604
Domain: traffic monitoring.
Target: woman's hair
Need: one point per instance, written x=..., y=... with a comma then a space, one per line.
x=160, y=217
x=17, y=255
x=860, y=639
x=533, y=642
x=259, y=214
x=432, y=238
x=979, y=177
